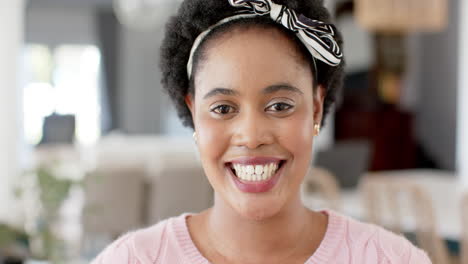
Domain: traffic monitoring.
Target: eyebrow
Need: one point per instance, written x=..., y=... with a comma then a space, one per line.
x=223, y=91
x=268, y=90
x=281, y=87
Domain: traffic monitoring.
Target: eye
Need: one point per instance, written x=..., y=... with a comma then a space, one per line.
x=279, y=107
x=223, y=109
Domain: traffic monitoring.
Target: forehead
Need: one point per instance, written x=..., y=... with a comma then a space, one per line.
x=253, y=58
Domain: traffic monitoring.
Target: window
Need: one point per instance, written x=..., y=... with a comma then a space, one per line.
x=62, y=80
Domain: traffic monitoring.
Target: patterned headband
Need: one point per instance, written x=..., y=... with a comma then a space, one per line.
x=317, y=36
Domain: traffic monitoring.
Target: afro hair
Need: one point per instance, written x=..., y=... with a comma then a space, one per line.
x=196, y=16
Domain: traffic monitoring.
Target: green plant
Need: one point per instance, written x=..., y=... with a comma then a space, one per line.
x=53, y=188
x=10, y=236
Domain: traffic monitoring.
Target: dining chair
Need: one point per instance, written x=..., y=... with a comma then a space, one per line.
x=177, y=184
x=321, y=189
x=114, y=201
x=404, y=207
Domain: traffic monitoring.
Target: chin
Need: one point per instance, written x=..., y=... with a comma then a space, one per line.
x=258, y=209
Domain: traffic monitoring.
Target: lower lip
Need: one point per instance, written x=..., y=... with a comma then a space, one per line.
x=259, y=186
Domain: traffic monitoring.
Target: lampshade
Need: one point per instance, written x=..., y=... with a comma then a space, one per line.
x=402, y=15
x=144, y=14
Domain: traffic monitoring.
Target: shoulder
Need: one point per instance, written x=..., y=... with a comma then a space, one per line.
x=118, y=252
x=137, y=247
x=370, y=241
x=397, y=249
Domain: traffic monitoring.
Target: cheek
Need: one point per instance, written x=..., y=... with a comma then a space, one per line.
x=211, y=145
x=212, y=142
x=297, y=137
x=296, y=133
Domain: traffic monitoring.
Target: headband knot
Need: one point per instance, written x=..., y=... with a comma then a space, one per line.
x=317, y=36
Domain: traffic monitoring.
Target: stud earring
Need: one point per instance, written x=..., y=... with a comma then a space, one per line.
x=317, y=129
x=195, y=136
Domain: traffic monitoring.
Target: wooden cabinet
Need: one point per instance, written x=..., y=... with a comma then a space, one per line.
x=388, y=130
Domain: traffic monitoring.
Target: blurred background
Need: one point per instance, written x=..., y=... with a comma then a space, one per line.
x=92, y=148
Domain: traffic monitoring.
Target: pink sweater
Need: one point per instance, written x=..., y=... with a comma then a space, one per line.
x=345, y=241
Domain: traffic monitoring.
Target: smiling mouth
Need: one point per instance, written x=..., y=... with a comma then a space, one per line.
x=255, y=172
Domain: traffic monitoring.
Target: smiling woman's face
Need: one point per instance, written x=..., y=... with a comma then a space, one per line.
x=254, y=113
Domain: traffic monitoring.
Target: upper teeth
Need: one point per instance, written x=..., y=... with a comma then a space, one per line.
x=255, y=172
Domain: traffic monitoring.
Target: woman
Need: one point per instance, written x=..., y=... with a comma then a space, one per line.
x=255, y=79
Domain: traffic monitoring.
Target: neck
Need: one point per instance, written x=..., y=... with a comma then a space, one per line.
x=249, y=239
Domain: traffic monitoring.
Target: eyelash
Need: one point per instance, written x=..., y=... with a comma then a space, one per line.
x=288, y=107
x=215, y=109
x=218, y=109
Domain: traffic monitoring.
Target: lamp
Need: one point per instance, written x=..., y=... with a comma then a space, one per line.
x=143, y=14
x=402, y=15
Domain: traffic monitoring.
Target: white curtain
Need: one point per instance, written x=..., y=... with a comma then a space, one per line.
x=11, y=39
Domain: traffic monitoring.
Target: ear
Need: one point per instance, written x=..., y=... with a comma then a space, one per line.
x=189, y=101
x=319, y=97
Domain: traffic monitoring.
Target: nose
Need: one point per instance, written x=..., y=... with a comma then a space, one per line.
x=252, y=130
